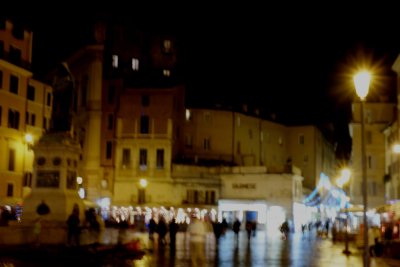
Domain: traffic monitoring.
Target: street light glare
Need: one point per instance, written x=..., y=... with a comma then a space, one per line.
x=396, y=148
x=361, y=82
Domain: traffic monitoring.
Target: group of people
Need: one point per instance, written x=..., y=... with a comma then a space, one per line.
x=93, y=224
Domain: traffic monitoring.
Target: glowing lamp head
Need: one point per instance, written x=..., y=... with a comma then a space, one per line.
x=361, y=82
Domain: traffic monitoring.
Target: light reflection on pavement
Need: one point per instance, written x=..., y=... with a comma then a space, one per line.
x=299, y=250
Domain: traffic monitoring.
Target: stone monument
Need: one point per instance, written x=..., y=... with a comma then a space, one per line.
x=54, y=188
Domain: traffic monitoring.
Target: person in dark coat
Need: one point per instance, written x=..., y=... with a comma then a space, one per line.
x=173, y=229
x=73, y=224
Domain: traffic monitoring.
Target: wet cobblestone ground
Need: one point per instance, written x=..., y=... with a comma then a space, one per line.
x=298, y=250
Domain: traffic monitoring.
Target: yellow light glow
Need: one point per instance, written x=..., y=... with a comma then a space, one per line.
x=361, y=81
x=396, y=148
x=143, y=183
x=28, y=138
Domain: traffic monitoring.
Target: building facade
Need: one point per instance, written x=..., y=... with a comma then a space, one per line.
x=25, y=112
x=378, y=115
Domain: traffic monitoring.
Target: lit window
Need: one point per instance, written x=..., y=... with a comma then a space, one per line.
x=167, y=46
x=135, y=64
x=115, y=61
x=188, y=115
x=166, y=73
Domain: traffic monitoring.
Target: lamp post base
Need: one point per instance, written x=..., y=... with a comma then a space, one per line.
x=346, y=252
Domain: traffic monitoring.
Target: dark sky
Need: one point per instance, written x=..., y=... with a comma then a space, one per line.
x=293, y=60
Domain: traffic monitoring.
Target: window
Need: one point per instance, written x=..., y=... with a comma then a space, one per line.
x=1, y=78
x=207, y=143
x=110, y=122
x=14, y=84
x=48, y=100
x=370, y=162
x=108, y=150
x=126, y=157
x=114, y=61
x=188, y=115
x=0, y=114
x=27, y=179
x=160, y=158
x=144, y=124
x=145, y=100
x=135, y=64
x=166, y=46
x=11, y=159
x=10, y=190
x=238, y=147
x=192, y=196
x=33, y=119
x=15, y=55
x=210, y=197
x=13, y=119
x=110, y=95
x=166, y=72
x=45, y=123
x=301, y=139
x=143, y=159
x=31, y=93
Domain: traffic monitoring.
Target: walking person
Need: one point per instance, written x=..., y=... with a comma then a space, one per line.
x=73, y=227
x=197, y=231
x=236, y=228
x=173, y=228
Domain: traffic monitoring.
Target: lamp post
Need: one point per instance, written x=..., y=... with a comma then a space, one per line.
x=344, y=179
x=361, y=82
x=142, y=191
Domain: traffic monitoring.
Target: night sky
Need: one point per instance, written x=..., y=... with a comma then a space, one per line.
x=292, y=61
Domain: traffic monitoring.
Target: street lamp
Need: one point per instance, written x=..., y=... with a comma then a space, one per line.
x=344, y=179
x=361, y=82
x=142, y=191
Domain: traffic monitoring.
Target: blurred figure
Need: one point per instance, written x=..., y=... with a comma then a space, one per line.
x=173, y=228
x=73, y=227
x=236, y=227
x=197, y=231
x=249, y=227
x=152, y=228
x=162, y=231
x=284, y=229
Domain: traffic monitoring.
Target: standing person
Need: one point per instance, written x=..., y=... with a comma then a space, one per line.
x=73, y=227
x=197, y=231
x=162, y=231
x=248, y=229
x=236, y=227
x=152, y=228
x=173, y=228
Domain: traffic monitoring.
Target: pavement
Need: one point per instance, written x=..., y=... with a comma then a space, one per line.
x=263, y=249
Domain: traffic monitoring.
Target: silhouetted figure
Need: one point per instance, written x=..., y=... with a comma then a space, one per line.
x=248, y=229
x=173, y=228
x=73, y=224
x=284, y=229
x=162, y=231
x=218, y=230
x=236, y=228
x=152, y=228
